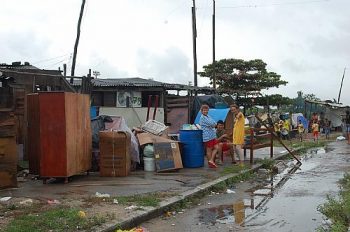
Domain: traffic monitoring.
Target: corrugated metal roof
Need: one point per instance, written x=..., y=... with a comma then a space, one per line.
x=327, y=103
x=129, y=82
x=18, y=66
x=136, y=82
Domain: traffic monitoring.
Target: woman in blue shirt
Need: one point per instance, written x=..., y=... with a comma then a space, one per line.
x=209, y=135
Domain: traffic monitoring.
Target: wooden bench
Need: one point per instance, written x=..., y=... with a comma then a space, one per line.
x=255, y=135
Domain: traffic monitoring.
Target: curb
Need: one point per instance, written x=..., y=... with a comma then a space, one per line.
x=149, y=214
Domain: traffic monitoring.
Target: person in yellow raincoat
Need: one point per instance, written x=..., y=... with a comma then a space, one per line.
x=238, y=132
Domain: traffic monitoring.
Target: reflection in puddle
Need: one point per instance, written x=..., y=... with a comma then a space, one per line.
x=227, y=214
x=244, y=208
x=286, y=201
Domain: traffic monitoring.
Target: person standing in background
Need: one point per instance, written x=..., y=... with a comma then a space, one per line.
x=315, y=129
x=209, y=135
x=327, y=127
x=301, y=129
x=347, y=124
x=238, y=132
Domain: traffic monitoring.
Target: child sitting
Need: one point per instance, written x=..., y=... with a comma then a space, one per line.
x=224, y=144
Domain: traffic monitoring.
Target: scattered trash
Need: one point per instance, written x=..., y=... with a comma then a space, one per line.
x=82, y=214
x=102, y=195
x=190, y=127
x=167, y=214
x=263, y=171
x=131, y=207
x=21, y=179
x=340, y=138
x=138, y=229
x=53, y=202
x=23, y=173
x=115, y=201
x=230, y=191
x=3, y=199
x=26, y=202
x=154, y=127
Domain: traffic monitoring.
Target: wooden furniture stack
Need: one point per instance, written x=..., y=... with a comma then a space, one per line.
x=59, y=134
x=8, y=151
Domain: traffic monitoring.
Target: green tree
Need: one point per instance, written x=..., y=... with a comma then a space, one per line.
x=240, y=77
x=310, y=97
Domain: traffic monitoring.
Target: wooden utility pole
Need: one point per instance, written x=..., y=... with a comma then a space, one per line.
x=77, y=40
x=194, y=37
x=341, y=85
x=214, y=71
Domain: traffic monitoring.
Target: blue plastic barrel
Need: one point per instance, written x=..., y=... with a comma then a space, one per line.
x=192, y=148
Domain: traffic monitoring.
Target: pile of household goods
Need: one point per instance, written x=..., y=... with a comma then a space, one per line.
x=117, y=149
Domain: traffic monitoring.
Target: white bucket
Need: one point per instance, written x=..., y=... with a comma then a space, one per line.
x=149, y=164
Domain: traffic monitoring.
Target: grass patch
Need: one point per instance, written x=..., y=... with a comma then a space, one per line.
x=337, y=209
x=58, y=219
x=267, y=163
x=152, y=199
x=232, y=169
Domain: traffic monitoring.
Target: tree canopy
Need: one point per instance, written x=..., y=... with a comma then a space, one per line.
x=241, y=77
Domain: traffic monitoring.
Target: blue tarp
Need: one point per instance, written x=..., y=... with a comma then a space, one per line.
x=304, y=121
x=216, y=114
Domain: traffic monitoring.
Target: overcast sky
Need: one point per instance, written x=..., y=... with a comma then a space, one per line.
x=305, y=41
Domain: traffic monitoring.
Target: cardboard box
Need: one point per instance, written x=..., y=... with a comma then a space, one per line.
x=166, y=151
x=167, y=156
x=146, y=138
x=114, y=153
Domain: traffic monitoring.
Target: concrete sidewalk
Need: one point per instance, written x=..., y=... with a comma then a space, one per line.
x=175, y=186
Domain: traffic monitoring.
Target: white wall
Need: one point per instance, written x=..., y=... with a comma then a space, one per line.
x=134, y=117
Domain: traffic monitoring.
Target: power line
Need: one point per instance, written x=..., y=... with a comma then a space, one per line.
x=49, y=59
x=59, y=62
x=275, y=4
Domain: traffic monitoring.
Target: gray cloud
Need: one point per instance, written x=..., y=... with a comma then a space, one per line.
x=23, y=46
x=171, y=66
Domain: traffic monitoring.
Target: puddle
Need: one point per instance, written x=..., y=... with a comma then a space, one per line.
x=227, y=214
x=238, y=211
x=317, y=151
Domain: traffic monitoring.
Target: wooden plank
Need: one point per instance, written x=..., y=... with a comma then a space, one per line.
x=261, y=145
x=177, y=100
x=278, y=138
x=179, y=105
x=8, y=162
x=53, y=147
x=33, y=132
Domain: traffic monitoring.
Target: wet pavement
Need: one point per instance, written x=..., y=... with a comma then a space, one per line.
x=286, y=202
x=139, y=182
x=81, y=189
